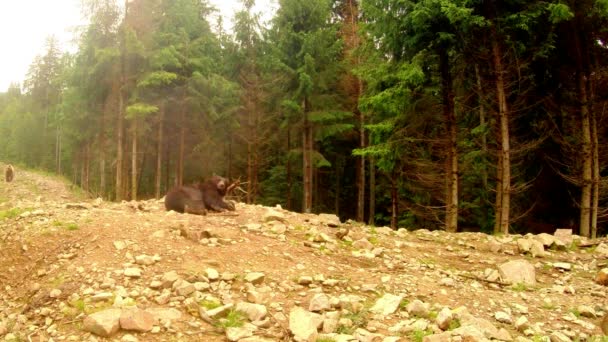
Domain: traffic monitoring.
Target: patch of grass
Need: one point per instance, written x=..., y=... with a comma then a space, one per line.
x=575, y=312
x=57, y=281
x=454, y=324
x=359, y=319
x=403, y=304
x=603, y=338
x=234, y=319
x=574, y=246
x=11, y=213
x=433, y=315
x=418, y=335
x=519, y=287
x=549, y=306
x=209, y=304
x=374, y=240
x=72, y=226
x=427, y=261
x=325, y=339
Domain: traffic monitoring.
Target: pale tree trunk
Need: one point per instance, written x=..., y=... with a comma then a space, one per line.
x=451, y=215
x=119, y=148
x=102, y=159
x=159, y=151
x=595, y=199
x=372, y=191
x=134, y=160
x=58, y=151
x=307, y=161
x=182, y=143
x=587, y=157
x=498, y=199
x=121, y=108
x=503, y=112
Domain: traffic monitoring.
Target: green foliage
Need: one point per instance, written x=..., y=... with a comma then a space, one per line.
x=140, y=110
x=233, y=319
x=11, y=213
x=418, y=335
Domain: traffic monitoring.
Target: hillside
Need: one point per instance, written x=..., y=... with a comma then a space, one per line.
x=73, y=269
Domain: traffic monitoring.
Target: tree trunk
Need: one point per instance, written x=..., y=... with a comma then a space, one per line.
x=102, y=159
x=249, y=172
x=503, y=112
x=482, y=122
x=159, y=151
x=339, y=170
x=121, y=109
x=182, y=142
x=394, y=203
x=372, y=191
x=587, y=157
x=451, y=215
x=307, y=161
x=288, y=171
x=361, y=165
x=134, y=160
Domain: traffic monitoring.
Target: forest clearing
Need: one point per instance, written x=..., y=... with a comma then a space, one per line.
x=64, y=258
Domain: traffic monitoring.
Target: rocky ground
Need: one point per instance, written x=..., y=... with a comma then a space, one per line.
x=73, y=269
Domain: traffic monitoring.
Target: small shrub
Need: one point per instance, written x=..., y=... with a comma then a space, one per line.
x=234, y=319
x=418, y=335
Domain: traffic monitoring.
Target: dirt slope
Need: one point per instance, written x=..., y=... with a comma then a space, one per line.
x=58, y=251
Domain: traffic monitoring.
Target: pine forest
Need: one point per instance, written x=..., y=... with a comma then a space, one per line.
x=462, y=115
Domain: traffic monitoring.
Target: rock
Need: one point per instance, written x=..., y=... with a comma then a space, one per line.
x=55, y=293
x=254, y=312
x=305, y=280
x=212, y=274
x=133, y=272
x=210, y=316
x=145, y=260
x=558, y=336
x=103, y=323
x=602, y=277
x=564, y=235
x=183, y=287
x=387, y=305
x=524, y=245
x=255, y=277
x=304, y=324
x=418, y=308
x=518, y=271
x=444, y=318
x=169, y=278
x=137, y=320
x=537, y=249
x=563, y=266
x=273, y=215
x=239, y=333
x=330, y=220
x=363, y=244
x=586, y=311
x=546, y=239
x=522, y=323
x=319, y=302
x=602, y=249
x=503, y=317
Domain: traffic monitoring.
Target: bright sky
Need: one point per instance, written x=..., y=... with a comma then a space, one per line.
x=25, y=24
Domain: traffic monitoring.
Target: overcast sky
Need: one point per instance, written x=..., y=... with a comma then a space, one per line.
x=25, y=24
